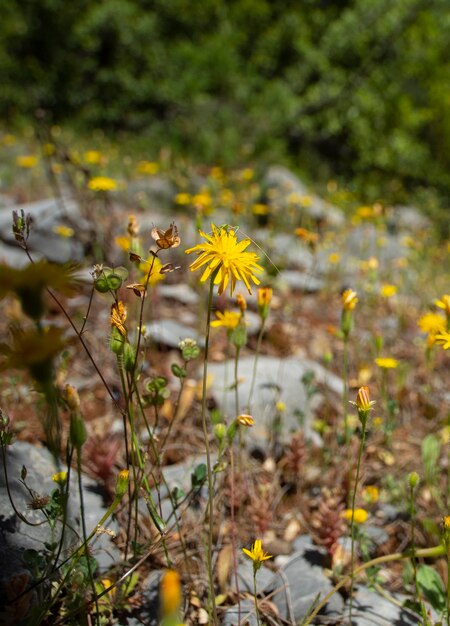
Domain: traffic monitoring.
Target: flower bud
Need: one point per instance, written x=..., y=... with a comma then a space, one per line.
x=78, y=433
x=71, y=397
x=122, y=483
x=264, y=300
x=220, y=430
x=413, y=479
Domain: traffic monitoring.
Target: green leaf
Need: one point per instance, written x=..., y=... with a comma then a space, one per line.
x=198, y=476
x=432, y=587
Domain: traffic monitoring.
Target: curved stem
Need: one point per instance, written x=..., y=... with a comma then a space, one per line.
x=436, y=551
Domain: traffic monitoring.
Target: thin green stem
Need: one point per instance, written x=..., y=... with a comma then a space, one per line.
x=255, y=597
x=413, y=558
x=345, y=393
x=210, y=507
x=352, y=523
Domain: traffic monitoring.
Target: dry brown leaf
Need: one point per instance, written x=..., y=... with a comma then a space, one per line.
x=224, y=566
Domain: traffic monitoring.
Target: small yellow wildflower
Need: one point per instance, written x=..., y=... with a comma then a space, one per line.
x=8, y=140
x=148, y=168
x=123, y=242
x=93, y=157
x=365, y=212
x=363, y=402
x=388, y=291
x=27, y=161
x=260, y=209
x=156, y=266
x=443, y=339
x=349, y=299
x=444, y=303
x=226, y=259
x=102, y=183
x=359, y=515
x=245, y=420
x=60, y=478
x=49, y=149
x=334, y=258
x=246, y=174
x=371, y=494
x=431, y=323
x=280, y=406
x=183, y=198
x=386, y=363
x=63, y=231
x=170, y=593
x=227, y=319
x=307, y=236
x=257, y=554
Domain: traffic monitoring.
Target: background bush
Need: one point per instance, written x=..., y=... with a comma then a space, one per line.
x=359, y=88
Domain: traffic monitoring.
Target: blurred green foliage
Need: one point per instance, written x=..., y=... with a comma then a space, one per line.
x=359, y=88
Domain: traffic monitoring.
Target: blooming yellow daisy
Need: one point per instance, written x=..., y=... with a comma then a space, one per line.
x=227, y=319
x=257, y=554
x=431, y=323
x=226, y=259
x=386, y=363
x=387, y=290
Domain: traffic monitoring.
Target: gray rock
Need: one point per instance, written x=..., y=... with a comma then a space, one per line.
x=300, y=281
x=247, y=615
x=304, y=583
x=276, y=379
x=285, y=183
x=408, y=218
x=46, y=215
x=371, y=609
x=180, y=292
x=151, y=192
x=265, y=579
x=17, y=536
x=170, y=333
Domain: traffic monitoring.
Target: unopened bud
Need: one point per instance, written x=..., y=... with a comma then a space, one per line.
x=71, y=397
x=122, y=483
x=413, y=479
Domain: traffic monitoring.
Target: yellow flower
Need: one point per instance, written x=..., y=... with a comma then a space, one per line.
x=156, y=266
x=387, y=291
x=182, y=198
x=170, y=593
x=240, y=301
x=349, y=299
x=371, y=493
x=446, y=522
x=245, y=420
x=93, y=157
x=359, y=515
x=102, y=183
x=227, y=319
x=444, y=303
x=443, y=339
x=149, y=168
x=307, y=236
x=63, y=231
x=260, y=209
x=60, y=478
x=257, y=554
x=365, y=212
x=27, y=161
x=363, y=402
x=431, y=323
x=246, y=174
x=226, y=259
x=386, y=363
x=280, y=406
x=334, y=258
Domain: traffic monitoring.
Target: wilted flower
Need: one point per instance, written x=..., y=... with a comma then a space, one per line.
x=226, y=259
x=122, y=483
x=363, y=402
x=118, y=317
x=264, y=299
x=166, y=239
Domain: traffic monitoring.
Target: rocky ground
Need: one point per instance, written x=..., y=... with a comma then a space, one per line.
x=292, y=480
